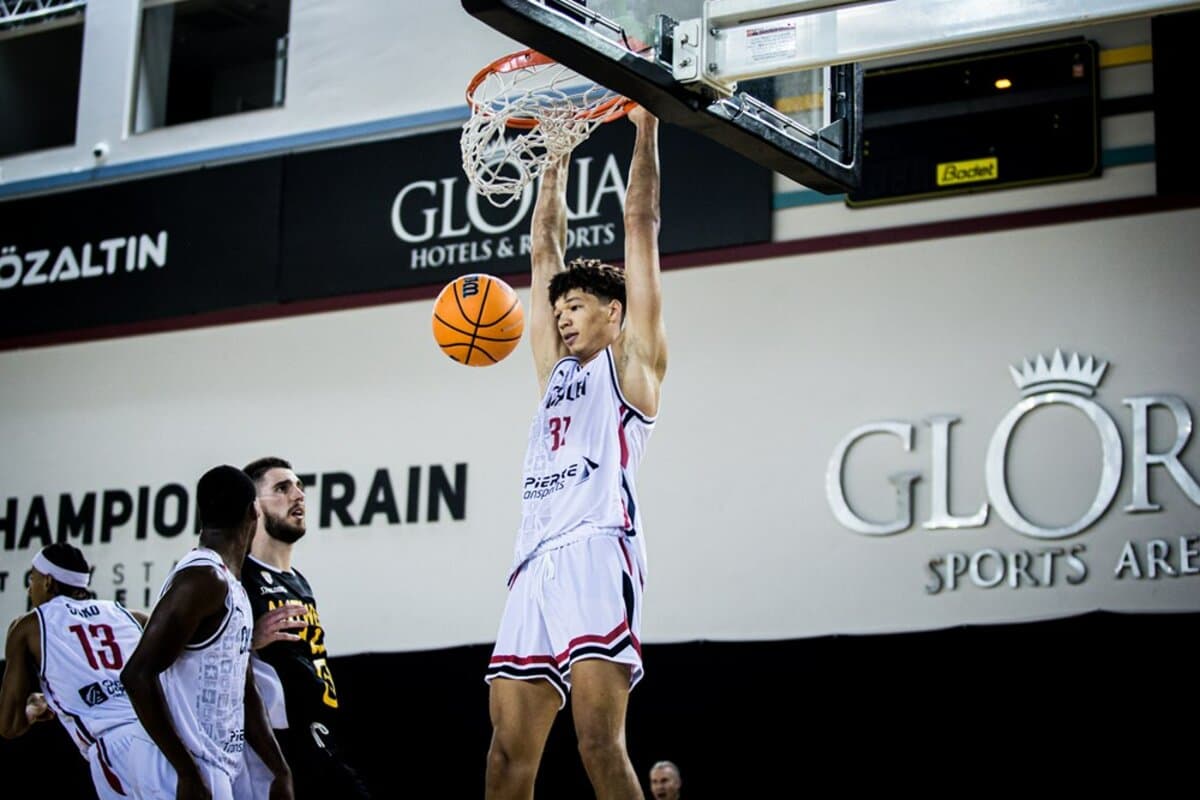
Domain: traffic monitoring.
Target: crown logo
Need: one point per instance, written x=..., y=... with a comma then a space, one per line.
x=1068, y=376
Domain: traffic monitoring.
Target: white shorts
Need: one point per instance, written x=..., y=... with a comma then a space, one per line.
x=254, y=781
x=583, y=600
x=126, y=763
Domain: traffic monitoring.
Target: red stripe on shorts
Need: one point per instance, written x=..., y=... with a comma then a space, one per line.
x=523, y=660
x=109, y=775
x=593, y=638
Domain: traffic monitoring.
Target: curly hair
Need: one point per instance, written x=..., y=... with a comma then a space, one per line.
x=592, y=276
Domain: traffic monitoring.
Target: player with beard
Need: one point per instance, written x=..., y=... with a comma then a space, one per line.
x=290, y=664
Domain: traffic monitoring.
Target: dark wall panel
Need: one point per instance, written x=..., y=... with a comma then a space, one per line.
x=1174, y=39
x=1069, y=704
x=164, y=247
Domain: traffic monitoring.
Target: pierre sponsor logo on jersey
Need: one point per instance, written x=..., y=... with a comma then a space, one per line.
x=236, y=742
x=545, y=485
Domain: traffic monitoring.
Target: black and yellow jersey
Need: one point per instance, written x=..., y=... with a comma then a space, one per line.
x=304, y=675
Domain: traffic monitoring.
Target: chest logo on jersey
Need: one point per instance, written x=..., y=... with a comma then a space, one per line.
x=266, y=576
x=569, y=391
x=272, y=590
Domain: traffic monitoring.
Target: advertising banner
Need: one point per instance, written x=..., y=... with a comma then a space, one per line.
x=355, y=219
x=402, y=213
x=144, y=250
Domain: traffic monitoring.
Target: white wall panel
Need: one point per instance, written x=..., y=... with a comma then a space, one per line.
x=772, y=364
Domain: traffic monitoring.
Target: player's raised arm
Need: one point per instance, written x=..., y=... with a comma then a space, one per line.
x=644, y=341
x=548, y=247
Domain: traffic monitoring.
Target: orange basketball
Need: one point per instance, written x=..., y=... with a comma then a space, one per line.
x=477, y=320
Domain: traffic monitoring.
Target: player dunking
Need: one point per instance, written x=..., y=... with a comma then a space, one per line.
x=572, y=620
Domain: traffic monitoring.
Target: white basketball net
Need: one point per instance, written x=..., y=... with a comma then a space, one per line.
x=524, y=113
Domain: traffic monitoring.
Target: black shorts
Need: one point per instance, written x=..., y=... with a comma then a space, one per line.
x=319, y=768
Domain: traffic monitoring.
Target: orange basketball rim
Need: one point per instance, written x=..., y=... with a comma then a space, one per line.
x=582, y=100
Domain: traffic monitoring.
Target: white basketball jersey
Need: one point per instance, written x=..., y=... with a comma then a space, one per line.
x=85, y=644
x=584, y=449
x=205, y=687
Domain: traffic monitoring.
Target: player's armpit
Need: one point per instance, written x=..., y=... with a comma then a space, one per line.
x=640, y=370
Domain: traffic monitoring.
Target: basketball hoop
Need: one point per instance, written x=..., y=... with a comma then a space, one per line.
x=526, y=110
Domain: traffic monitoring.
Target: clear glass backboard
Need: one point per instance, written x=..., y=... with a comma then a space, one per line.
x=805, y=124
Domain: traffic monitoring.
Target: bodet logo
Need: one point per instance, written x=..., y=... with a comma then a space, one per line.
x=1059, y=381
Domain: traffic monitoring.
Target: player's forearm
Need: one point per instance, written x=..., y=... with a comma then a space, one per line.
x=643, y=282
x=548, y=229
x=13, y=721
x=15, y=687
x=642, y=203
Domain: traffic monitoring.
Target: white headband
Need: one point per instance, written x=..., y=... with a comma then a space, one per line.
x=61, y=574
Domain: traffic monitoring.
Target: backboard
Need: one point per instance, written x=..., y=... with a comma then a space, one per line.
x=803, y=124
x=779, y=81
